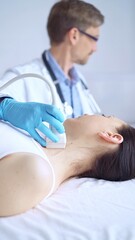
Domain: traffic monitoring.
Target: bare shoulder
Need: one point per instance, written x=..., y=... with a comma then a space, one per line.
x=25, y=179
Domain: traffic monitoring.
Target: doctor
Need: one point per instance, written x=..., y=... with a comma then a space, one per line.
x=73, y=28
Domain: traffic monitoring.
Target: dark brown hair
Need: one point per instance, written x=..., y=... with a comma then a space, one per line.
x=65, y=15
x=118, y=165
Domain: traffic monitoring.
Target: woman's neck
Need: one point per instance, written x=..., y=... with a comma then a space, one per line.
x=61, y=53
x=61, y=162
x=69, y=162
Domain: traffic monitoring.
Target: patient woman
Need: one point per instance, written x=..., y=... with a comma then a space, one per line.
x=97, y=146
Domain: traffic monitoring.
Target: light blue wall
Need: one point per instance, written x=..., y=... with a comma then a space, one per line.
x=110, y=71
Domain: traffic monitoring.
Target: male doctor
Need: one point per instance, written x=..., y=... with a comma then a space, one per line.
x=73, y=28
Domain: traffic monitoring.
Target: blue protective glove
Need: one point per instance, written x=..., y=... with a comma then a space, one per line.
x=30, y=116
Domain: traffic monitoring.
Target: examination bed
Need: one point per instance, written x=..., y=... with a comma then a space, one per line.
x=82, y=209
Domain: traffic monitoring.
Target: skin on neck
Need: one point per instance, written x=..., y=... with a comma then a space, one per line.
x=61, y=53
x=79, y=154
x=69, y=162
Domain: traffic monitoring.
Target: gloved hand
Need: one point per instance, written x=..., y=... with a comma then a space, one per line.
x=30, y=116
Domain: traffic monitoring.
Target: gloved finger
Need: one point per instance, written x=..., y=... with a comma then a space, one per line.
x=47, y=132
x=55, y=112
x=37, y=137
x=55, y=123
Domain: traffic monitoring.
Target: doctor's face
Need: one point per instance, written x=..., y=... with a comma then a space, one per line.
x=86, y=45
x=88, y=126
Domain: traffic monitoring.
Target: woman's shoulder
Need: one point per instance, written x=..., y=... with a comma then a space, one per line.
x=25, y=180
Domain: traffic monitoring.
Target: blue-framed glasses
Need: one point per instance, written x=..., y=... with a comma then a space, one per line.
x=88, y=35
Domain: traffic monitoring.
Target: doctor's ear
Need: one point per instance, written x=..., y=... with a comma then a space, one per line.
x=73, y=35
x=115, y=138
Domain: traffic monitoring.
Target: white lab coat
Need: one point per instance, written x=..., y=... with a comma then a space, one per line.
x=35, y=90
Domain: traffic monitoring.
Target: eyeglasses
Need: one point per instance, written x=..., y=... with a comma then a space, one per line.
x=88, y=35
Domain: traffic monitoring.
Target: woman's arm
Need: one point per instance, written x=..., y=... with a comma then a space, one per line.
x=25, y=179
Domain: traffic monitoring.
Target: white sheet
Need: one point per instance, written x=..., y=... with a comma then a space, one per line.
x=82, y=209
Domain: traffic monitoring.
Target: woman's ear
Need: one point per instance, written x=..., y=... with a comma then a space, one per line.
x=115, y=138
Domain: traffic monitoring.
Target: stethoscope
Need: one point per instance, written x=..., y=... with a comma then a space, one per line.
x=68, y=109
